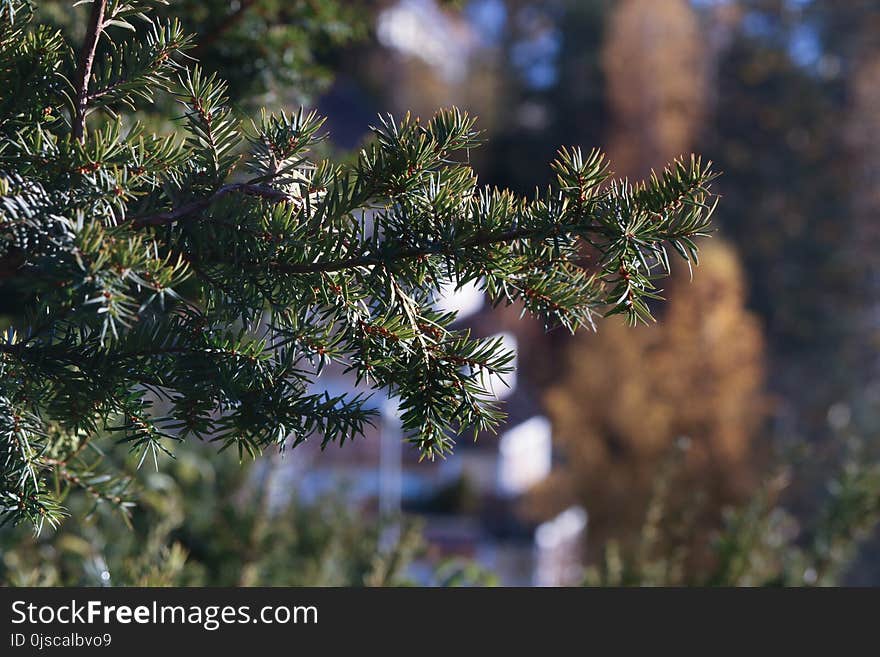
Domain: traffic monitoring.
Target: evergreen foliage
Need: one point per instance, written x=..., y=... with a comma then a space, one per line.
x=195, y=284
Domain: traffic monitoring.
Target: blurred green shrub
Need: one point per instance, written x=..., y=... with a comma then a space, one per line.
x=758, y=543
x=208, y=521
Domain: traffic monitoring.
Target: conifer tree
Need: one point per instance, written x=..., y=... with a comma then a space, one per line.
x=193, y=285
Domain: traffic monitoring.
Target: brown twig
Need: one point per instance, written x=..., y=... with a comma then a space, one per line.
x=164, y=218
x=84, y=69
x=478, y=241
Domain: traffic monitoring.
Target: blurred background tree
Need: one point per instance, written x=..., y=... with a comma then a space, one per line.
x=696, y=376
x=655, y=61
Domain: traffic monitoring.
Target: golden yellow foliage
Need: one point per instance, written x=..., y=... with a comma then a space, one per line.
x=654, y=59
x=629, y=394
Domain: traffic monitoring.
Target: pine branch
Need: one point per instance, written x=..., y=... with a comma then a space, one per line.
x=440, y=249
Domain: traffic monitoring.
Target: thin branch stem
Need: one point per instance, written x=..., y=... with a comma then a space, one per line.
x=84, y=69
x=491, y=239
x=165, y=218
